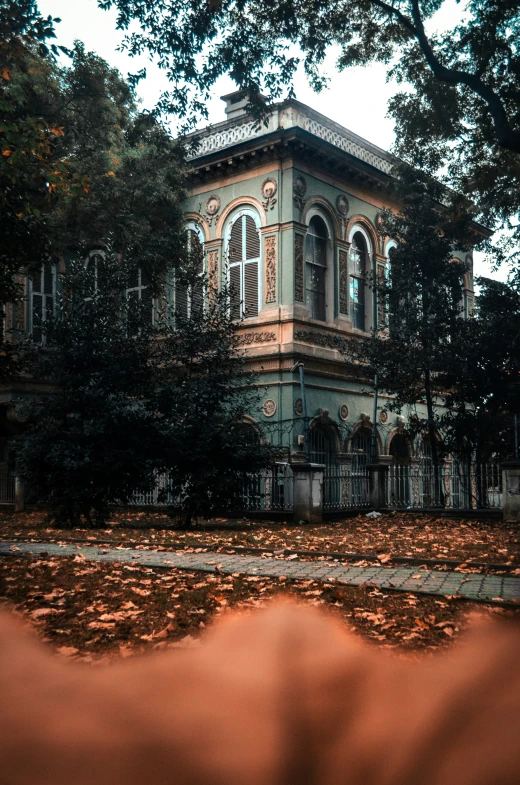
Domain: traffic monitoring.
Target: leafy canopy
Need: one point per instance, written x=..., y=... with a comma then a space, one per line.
x=460, y=119
x=135, y=396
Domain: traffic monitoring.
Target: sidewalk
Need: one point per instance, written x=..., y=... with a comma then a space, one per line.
x=487, y=588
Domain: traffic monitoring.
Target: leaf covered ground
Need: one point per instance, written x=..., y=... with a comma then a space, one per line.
x=396, y=533
x=97, y=611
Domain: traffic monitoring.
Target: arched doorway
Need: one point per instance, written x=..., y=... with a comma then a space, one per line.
x=400, y=479
x=323, y=444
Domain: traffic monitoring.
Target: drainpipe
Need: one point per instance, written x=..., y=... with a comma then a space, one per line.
x=301, y=371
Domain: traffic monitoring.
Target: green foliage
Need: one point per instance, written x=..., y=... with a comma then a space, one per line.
x=133, y=399
x=484, y=391
x=203, y=393
x=461, y=118
x=80, y=166
x=412, y=351
x=90, y=441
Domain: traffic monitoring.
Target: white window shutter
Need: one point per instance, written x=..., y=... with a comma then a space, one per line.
x=235, y=291
x=251, y=289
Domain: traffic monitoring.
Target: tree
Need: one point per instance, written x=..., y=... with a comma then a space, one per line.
x=412, y=348
x=132, y=399
x=484, y=382
x=31, y=173
x=464, y=106
x=204, y=394
x=132, y=170
x=90, y=441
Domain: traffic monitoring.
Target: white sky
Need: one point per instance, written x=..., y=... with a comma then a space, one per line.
x=357, y=98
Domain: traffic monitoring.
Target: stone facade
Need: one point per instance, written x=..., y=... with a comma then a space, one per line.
x=300, y=179
x=298, y=168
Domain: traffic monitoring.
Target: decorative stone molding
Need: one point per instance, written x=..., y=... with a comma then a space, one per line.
x=298, y=407
x=269, y=407
x=269, y=189
x=365, y=420
x=213, y=272
x=246, y=339
x=321, y=339
x=343, y=282
x=343, y=412
x=299, y=191
x=379, y=222
x=270, y=268
x=344, y=142
x=298, y=268
x=287, y=115
x=342, y=205
x=212, y=209
x=239, y=203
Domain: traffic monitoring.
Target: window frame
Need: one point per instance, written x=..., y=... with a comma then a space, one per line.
x=233, y=218
x=368, y=317
x=43, y=295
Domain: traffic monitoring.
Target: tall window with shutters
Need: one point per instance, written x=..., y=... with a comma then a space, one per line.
x=358, y=268
x=243, y=252
x=316, y=268
x=42, y=300
x=188, y=295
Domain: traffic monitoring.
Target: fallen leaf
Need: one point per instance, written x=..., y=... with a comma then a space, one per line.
x=67, y=651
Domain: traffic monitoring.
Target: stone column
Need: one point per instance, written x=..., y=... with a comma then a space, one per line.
x=377, y=476
x=18, y=495
x=511, y=490
x=308, y=492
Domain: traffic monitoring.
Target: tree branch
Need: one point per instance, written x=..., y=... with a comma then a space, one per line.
x=506, y=136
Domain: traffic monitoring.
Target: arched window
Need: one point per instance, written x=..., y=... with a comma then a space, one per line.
x=322, y=445
x=316, y=268
x=42, y=300
x=359, y=258
x=385, y=303
x=188, y=289
x=243, y=256
x=360, y=447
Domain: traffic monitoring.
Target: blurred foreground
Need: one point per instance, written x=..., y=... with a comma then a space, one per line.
x=286, y=695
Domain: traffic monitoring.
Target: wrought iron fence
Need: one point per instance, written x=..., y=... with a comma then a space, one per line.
x=455, y=485
x=161, y=494
x=269, y=489
x=345, y=488
x=7, y=486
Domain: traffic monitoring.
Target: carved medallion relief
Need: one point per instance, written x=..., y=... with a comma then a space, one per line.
x=212, y=209
x=269, y=188
x=269, y=407
x=299, y=191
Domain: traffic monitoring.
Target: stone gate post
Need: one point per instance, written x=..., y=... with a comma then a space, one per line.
x=511, y=490
x=308, y=492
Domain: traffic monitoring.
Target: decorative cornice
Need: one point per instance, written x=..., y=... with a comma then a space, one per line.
x=288, y=115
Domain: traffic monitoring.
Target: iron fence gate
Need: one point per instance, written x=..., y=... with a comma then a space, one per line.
x=7, y=486
x=454, y=485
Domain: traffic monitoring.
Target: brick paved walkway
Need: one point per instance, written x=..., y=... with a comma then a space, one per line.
x=409, y=579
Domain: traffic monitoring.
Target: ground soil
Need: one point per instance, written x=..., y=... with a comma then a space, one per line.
x=396, y=533
x=94, y=612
